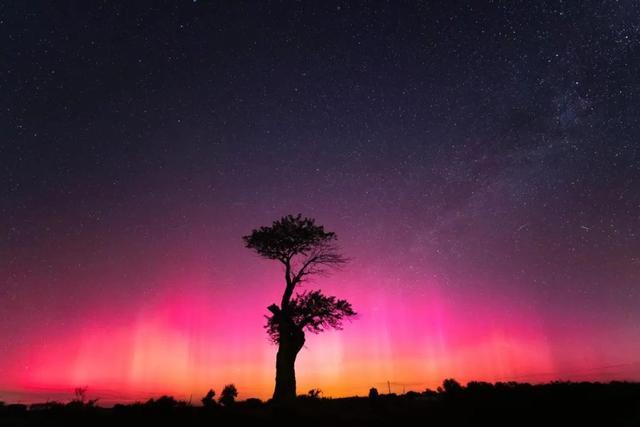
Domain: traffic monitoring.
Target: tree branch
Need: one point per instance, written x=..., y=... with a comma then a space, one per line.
x=274, y=309
x=288, y=291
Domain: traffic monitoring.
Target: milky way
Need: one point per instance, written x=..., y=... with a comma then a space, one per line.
x=479, y=164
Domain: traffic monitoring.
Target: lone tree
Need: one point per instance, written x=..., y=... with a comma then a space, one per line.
x=304, y=249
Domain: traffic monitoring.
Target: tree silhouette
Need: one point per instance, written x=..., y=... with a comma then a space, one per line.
x=304, y=249
x=208, y=401
x=373, y=393
x=228, y=395
x=314, y=393
x=451, y=386
x=80, y=394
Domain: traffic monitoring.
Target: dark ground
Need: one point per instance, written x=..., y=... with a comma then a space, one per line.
x=477, y=404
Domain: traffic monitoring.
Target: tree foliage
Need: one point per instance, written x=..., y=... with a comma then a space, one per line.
x=312, y=311
x=289, y=236
x=208, y=400
x=228, y=395
x=297, y=242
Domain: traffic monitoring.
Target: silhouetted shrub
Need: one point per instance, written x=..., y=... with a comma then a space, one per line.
x=80, y=394
x=451, y=386
x=373, y=393
x=228, y=395
x=75, y=404
x=314, y=393
x=479, y=387
x=429, y=393
x=252, y=402
x=208, y=401
x=163, y=402
x=411, y=394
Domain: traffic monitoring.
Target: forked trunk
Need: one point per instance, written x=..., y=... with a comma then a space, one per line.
x=288, y=349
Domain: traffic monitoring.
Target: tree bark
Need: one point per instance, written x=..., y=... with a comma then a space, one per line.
x=290, y=344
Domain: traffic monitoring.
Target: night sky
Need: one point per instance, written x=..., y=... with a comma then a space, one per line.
x=480, y=164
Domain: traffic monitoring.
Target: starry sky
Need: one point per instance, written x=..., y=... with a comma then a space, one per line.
x=479, y=163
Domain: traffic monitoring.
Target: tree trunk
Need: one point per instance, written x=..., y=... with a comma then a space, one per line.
x=288, y=349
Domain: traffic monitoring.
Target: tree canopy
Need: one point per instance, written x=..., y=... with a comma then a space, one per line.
x=312, y=311
x=287, y=237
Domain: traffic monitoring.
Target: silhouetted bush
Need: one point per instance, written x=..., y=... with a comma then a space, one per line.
x=252, y=402
x=479, y=387
x=430, y=393
x=80, y=394
x=314, y=393
x=451, y=386
x=411, y=395
x=208, y=401
x=373, y=393
x=228, y=395
x=163, y=402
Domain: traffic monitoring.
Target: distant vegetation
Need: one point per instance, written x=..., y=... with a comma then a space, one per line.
x=452, y=404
